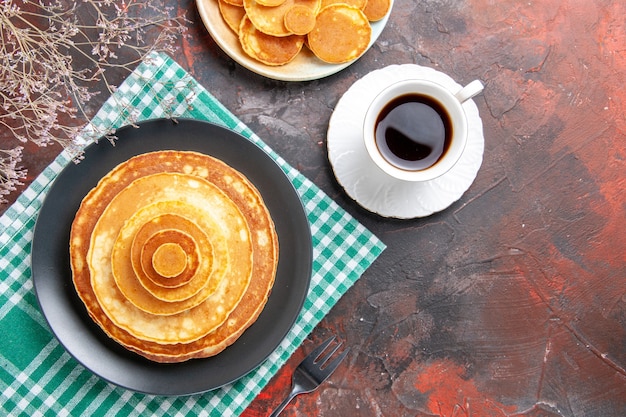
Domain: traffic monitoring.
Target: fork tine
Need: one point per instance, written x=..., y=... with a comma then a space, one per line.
x=330, y=368
x=315, y=353
x=320, y=361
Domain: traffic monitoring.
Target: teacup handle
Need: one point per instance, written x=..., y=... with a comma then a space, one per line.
x=469, y=91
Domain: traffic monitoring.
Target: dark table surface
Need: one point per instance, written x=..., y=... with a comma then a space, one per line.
x=513, y=300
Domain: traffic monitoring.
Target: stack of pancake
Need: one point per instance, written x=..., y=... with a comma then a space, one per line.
x=174, y=255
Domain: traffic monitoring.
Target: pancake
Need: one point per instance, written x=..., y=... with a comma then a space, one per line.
x=271, y=20
x=150, y=178
x=341, y=33
x=156, y=271
x=270, y=3
x=375, y=10
x=237, y=3
x=271, y=50
x=232, y=14
x=300, y=19
x=360, y=4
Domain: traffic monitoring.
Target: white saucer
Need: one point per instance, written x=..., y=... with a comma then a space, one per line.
x=367, y=184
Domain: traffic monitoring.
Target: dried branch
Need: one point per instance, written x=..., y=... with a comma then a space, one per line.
x=10, y=173
x=43, y=93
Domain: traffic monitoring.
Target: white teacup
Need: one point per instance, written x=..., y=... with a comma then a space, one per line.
x=422, y=128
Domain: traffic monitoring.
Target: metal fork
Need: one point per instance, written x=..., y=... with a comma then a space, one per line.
x=312, y=372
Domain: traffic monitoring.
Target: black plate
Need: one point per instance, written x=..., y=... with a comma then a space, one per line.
x=66, y=314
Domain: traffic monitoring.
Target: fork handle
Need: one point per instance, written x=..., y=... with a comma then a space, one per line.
x=282, y=405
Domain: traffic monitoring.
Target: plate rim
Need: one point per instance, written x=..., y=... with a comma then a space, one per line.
x=43, y=269
x=216, y=27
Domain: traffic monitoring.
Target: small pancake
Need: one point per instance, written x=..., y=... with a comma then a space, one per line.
x=169, y=258
x=232, y=14
x=271, y=20
x=360, y=4
x=148, y=267
x=342, y=33
x=238, y=3
x=300, y=19
x=376, y=9
x=270, y=3
x=239, y=190
x=270, y=50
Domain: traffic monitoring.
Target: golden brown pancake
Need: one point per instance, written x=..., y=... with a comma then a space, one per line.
x=180, y=339
x=360, y=4
x=300, y=19
x=232, y=14
x=271, y=20
x=271, y=50
x=270, y=3
x=153, y=236
x=238, y=3
x=376, y=9
x=341, y=33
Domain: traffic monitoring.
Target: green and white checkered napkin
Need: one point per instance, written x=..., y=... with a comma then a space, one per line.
x=37, y=376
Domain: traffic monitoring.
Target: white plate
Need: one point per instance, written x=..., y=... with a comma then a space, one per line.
x=367, y=184
x=304, y=67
